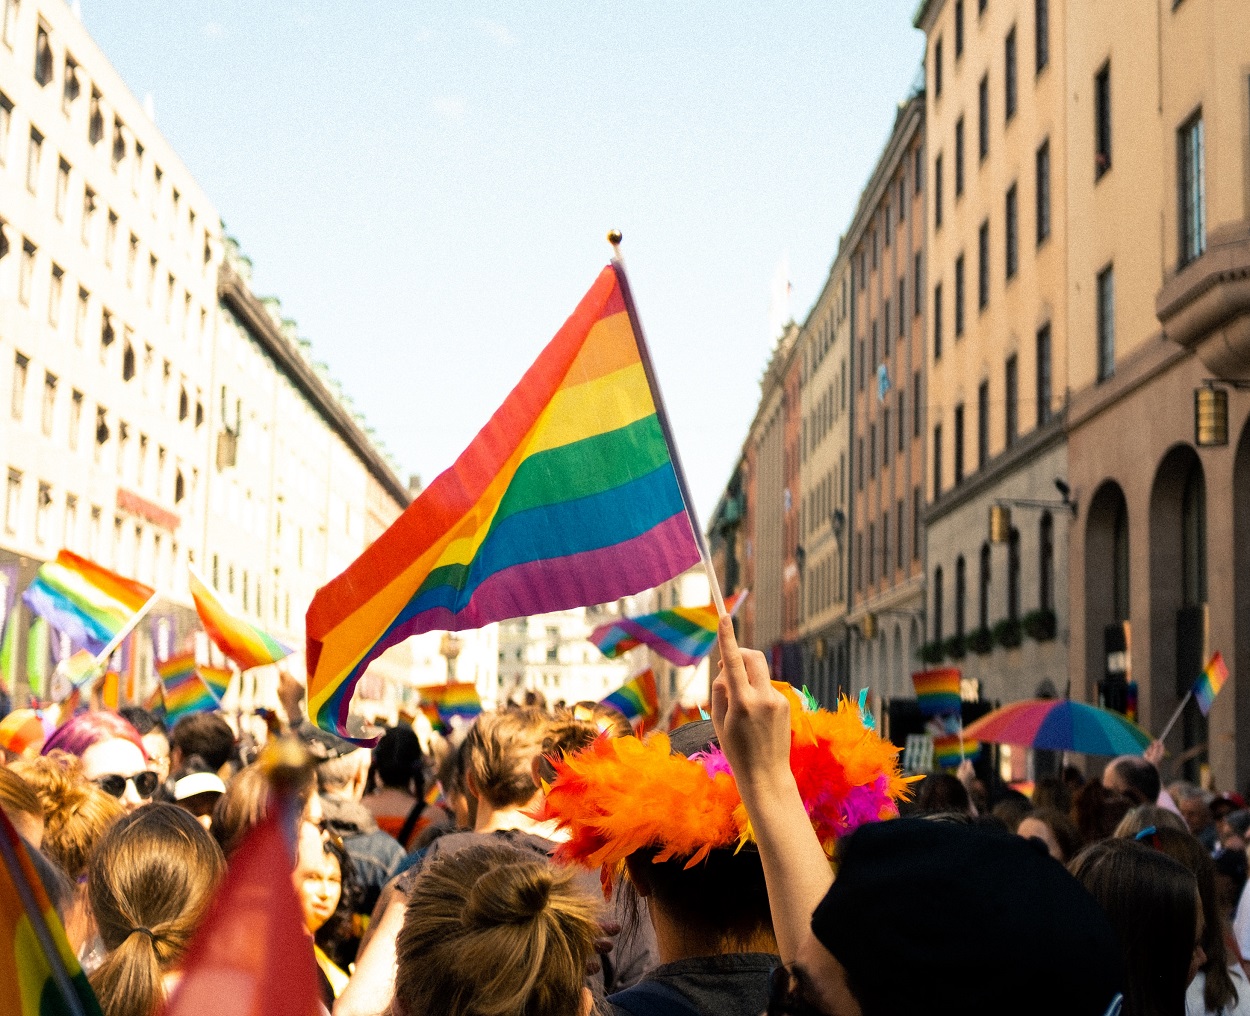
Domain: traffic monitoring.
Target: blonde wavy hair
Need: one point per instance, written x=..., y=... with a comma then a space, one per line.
x=501, y=751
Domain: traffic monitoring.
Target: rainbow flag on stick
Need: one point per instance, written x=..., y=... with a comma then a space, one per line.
x=217, y=678
x=569, y=496
x=937, y=691
x=948, y=752
x=450, y=700
x=40, y=975
x=1210, y=681
x=245, y=643
x=636, y=698
x=90, y=604
x=682, y=635
x=185, y=691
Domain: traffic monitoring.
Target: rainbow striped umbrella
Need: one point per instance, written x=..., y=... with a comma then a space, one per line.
x=1061, y=725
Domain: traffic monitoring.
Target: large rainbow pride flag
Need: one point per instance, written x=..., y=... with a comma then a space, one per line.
x=81, y=599
x=245, y=643
x=567, y=497
x=682, y=635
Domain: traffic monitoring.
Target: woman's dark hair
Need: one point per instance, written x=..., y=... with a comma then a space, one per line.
x=1219, y=992
x=338, y=935
x=1011, y=809
x=942, y=792
x=1066, y=834
x=1152, y=903
x=1097, y=811
x=399, y=762
x=1052, y=792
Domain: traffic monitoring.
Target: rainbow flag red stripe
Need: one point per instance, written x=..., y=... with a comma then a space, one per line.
x=937, y=691
x=567, y=497
x=245, y=643
x=1210, y=681
x=636, y=698
x=682, y=635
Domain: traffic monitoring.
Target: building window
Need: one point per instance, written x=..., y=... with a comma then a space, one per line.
x=128, y=361
x=872, y=451
x=17, y=397
x=937, y=191
x=1106, y=323
x=62, y=188
x=43, y=56
x=1013, y=233
x=937, y=321
x=959, y=444
x=983, y=117
x=1012, y=392
x=1102, y=121
x=6, y=123
x=80, y=316
x=48, y=411
x=916, y=502
x=961, y=593
x=43, y=512
x=917, y=171
x=1009, y=75
x=1043, y=375
x=937, y=461
x=937, y=604
x=916, y=405
x=34, y=154
x=885, y=436
x=101, y=432
x=959, y=296
x=902, y=420
x=119, y=144
x=937, y=68
x=1041, y=33
x=885, y=545
x=1013, y=575
x=110, y=239
x=959, y=157
x=872, y=553
x=70, y=534
x=26, y=273
x=75, y=418
x=983, y=424
x=132, y=259
x=95, y=119
x=959, y=28
x=898, y=542
x=1190, y=159
x=917, y=286
x=88, y=215
x=12, y=501
x=860, y=462
x=902, y=313
x=983, y=599
x=1046, y=563
x=1043, y=192
x=983, y=265
x=56, y=290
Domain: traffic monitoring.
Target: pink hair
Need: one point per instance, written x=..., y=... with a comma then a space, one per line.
x=80, y=733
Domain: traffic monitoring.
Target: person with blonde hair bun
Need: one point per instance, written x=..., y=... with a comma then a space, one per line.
x=495, y=931
x=151, y=881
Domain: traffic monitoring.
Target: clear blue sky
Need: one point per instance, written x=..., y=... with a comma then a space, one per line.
x=426, y=186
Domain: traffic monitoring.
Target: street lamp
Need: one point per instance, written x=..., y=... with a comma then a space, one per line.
x=1210, y=416
x=1000, y=510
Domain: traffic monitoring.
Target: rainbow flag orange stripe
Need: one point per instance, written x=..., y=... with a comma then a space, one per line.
x=1210, y=681
x=636, y=698
x=937, y=691
x=682, y=635
x=567, y=497
x=245, y=643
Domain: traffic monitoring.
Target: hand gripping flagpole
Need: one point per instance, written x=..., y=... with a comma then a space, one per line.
x=618, y=265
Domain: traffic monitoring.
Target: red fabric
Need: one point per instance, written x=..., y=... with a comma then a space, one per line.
x=252, y=956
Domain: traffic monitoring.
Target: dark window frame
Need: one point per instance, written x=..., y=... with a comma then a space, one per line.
x=1102, y=121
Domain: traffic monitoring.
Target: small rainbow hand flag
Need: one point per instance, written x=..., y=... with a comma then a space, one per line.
x=217, y=679
x=636, y=698
x=185, y=691
x=80, y=599
x=245, y=643
x=1210, y=681
x=948, y=753
x=937, y=691
x=567, y=497
x=453, y=700
x=682, y=635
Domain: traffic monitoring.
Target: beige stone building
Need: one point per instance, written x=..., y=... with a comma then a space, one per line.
x=998, y=231
x=824, y=345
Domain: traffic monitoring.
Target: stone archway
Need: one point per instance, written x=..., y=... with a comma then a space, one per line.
x=1106, y=577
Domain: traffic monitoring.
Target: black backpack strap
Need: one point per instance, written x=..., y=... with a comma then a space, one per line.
x=653, y=998
x=410, y=822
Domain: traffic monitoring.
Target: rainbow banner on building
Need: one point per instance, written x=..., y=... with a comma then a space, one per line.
x=243, y=642
x=948, y=752
x=36, y=960
x=637, y=698
x=567, y=497
x=937, y=691
x=1210, y=681
x=460, y=700
x=682, y=635
x=80, y=599
x=185, y=691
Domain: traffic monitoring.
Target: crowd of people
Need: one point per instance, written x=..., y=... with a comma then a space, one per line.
x=769, y=860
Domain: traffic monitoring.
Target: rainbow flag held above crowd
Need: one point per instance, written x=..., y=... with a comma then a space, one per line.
x=217, y=678
x=937, y=691
x=949, y=753
x=567, y=497
x=36, y=960
x=245, y=643
x=637, y=698
x=459, y=700
x=1210, y=681
x=185, y=691
x=682, y=635
x=84, y=601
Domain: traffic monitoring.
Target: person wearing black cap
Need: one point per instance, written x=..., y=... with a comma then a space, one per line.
x=925, y=917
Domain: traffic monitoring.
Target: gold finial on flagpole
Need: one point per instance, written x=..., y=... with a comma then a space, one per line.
x=615, y=238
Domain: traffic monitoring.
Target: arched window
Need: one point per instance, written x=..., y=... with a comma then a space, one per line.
x=1194, y=538
x=1013, y=575
x=983, y=604
x=1120, y=561
x=961, y=593
x=1046, y=563
x=937, y=604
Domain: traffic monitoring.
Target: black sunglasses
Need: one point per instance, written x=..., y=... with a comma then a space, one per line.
x=114, y=785
x=785, y=995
